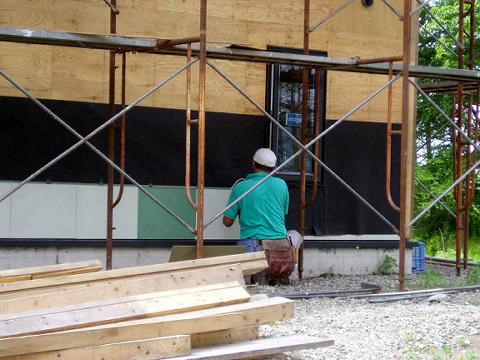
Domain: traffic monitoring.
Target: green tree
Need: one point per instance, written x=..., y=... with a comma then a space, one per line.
x=434, y=159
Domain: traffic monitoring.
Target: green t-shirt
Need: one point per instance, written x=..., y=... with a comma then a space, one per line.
x=262, y=212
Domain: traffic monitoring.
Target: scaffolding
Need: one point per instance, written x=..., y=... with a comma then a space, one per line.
x=195, y=50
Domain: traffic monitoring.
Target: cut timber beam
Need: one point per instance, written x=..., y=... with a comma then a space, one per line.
x=224, y=337
x=215, y=319
x=250, y=263
x=257, y=348
x=121, y=300
x=64, y=319
x=157, y=348
x=111, y=289
x=13, y=275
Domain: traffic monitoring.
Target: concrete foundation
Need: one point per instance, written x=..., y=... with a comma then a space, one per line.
x=344, y=261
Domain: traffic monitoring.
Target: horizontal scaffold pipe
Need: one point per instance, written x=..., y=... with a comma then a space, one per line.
x=150, y=45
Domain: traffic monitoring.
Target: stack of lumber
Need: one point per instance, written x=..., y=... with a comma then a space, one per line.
x=196, y=309
x=41, y=272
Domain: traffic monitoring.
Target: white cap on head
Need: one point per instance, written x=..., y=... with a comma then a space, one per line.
x=265, y=157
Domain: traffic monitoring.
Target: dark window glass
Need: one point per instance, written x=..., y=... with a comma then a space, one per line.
x=290, y=92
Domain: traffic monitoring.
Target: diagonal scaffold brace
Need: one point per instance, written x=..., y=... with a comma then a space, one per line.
x=303, y=147
x=85, y=140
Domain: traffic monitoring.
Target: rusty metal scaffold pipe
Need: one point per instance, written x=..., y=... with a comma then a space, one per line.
x=454, y=125
x=201, y=128
x=377, y=60
x=303, y=135
x=404, y=141
x=459, y=150
x=470, y=180
x=316, y=150
x=188, y=122
x=388, y=165
x=111, y=140
x=122, y=132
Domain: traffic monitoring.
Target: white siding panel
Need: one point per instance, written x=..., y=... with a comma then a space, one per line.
x=92, y=213
x=5, y=213
x=215, y=201
x=125, y=215
x=44, y=211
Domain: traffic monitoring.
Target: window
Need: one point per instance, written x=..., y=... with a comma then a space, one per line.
x=285, y=104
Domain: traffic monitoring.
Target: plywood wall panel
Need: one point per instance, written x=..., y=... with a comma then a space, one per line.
x=26, y=14
x=81, y=75
x=29, y=65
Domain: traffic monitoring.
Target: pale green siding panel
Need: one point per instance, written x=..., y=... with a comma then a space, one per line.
x=156, y=223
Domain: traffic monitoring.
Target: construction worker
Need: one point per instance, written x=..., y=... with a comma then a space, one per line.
x=262, y=216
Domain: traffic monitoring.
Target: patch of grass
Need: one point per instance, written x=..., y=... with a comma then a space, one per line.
x=473, y=277
x=469, y=356
x=447, y=351
x=431, y=278
x=387, y=267
x=449, y=251
x=475, y=302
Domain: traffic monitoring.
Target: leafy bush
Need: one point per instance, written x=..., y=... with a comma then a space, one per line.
x=388, y=266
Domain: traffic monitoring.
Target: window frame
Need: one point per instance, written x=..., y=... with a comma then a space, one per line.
x=272, y=107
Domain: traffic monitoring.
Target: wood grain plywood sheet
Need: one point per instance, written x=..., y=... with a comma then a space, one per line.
x=141, y=18
x=80, y=16
x=28, y=65
x=255, y=85
x=140, y=77
x=26, y=14
x=221, y=96
x=173, y=94
x=355, y=31
x=79, y=74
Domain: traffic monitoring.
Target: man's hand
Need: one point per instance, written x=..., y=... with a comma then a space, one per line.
x=227, y=221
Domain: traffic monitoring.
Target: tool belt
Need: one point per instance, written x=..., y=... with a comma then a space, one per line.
x=280, y=257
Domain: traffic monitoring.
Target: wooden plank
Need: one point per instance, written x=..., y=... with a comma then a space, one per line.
x=215, y=319
x=156, y=348
x=12, y=279
x=124, y=287
x=49, y=268
x=22, y=274
x=68, y=272
x=122, y=300
x=250, y=263
x=224, y=337
x=257, y=348
x=251, y=268
x=117, y=312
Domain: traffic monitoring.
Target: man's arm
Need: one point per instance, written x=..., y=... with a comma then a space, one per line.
x=230, y=215
x=227, y=221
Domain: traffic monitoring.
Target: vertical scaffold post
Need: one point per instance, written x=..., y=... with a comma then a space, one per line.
x=303, y=137
x=459, y=149
x=201, y=127
x=111, y=141
x=407, y=4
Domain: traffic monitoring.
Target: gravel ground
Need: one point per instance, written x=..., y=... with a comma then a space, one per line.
x=410, y=329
